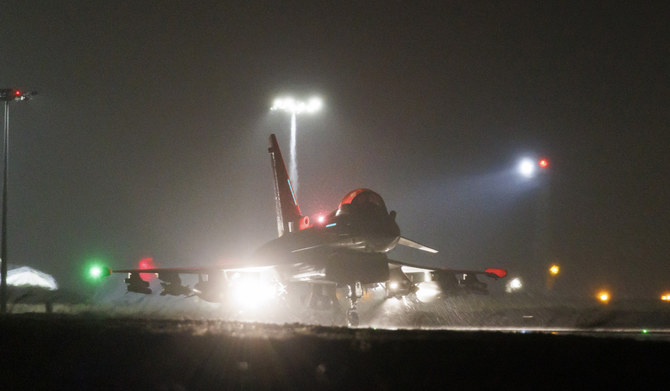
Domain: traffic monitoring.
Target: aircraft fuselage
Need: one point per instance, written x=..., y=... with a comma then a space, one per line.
x=359, y=231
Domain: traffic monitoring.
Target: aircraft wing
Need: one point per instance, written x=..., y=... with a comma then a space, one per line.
x=211, y=279
x=406, y=277
x=191, y=270
x=409, y=268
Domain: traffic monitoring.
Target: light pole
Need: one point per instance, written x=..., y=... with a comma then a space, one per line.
x=295, y=107
x=7, y=95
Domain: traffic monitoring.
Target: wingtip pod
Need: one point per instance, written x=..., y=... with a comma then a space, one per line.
x=496, y=273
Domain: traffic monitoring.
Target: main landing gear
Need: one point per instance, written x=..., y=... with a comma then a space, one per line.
x=322, y=297
x=354, y=292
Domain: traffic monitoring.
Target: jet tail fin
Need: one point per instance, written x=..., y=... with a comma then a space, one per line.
x=288, y=211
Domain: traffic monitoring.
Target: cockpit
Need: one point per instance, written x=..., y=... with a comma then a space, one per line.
x=362, y=199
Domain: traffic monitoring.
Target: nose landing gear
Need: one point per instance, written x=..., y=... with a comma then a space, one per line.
x=354, y=292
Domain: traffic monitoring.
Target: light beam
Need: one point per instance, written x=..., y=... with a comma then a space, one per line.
x=295, y=107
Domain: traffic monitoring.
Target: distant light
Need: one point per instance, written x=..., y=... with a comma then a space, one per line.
x=320, y=219
x=604, y=296
x=554, y=270
x=543, y=163
x=527, y=168
x=666, y=297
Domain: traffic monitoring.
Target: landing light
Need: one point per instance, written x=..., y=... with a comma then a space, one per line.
x=428, y=291
x=250, y=291
x=514, y=285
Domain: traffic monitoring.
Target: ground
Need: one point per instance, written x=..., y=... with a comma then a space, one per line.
x=523, y=346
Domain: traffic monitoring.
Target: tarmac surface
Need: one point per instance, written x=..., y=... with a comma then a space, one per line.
x=458, y=344
x=88, y=352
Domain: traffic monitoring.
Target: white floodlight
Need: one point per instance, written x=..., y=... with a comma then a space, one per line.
x=527, y=168
x=314, y=104
x=293, y=106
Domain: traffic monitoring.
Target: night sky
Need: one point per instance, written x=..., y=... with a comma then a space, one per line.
x=149, y=133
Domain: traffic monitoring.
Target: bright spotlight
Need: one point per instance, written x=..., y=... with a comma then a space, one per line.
x=314, y=104
x=293, y=106
x=514, y=285
x=427, y=292
x=527, y=168
x=249, y=290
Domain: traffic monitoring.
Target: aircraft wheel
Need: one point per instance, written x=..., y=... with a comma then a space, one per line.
x=352, y=318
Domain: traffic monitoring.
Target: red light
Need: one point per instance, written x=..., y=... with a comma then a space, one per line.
x=544, y=163
x=144, y=264
x=498, y=272
x=17, y=93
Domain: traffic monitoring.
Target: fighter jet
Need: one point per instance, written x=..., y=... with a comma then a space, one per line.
x=347, y=248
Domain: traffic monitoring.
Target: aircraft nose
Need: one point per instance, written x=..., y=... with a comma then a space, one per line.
x=385, y=237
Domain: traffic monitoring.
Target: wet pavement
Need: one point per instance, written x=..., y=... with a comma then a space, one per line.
x=97, y=351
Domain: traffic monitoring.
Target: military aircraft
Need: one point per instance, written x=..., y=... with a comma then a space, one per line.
x=347, y=248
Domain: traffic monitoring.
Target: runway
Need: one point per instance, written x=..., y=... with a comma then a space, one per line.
x=56, y=351
x=134, y=341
